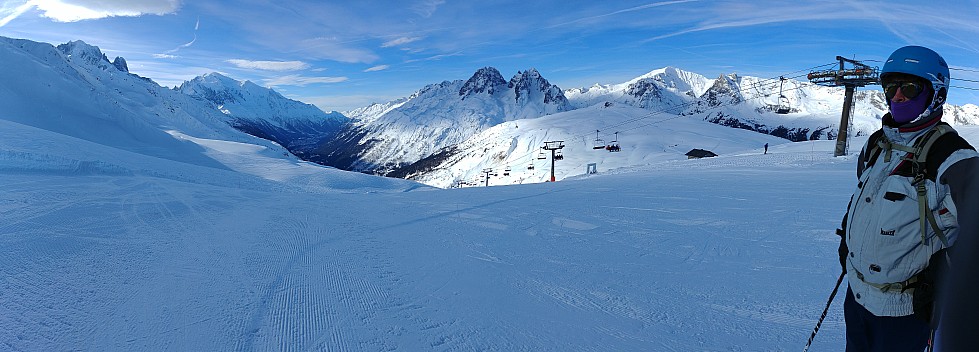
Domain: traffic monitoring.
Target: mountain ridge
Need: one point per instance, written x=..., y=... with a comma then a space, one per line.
x=387, y=136
x=264, y=113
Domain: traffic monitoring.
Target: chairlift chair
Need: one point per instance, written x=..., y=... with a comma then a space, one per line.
x=783, y=101
x=531, y=166
x=599, y=143
x=506, y=172
x=783, y=106
x=541, y=156
x=614, y=145
x=558, y=155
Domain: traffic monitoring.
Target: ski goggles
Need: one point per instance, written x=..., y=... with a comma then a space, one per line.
x=909, y=89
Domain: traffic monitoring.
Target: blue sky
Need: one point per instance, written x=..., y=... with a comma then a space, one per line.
x=342, y=55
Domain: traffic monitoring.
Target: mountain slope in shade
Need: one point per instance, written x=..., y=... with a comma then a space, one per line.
x=264, y=113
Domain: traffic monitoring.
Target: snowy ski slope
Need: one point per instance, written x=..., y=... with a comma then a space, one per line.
x=103, y=249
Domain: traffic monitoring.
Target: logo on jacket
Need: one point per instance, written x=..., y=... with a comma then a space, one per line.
x=887, y=232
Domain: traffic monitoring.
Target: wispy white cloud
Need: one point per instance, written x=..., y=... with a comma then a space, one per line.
x=269, y=65
x=165, y=72
x=759, y=13
x=9, y=13
x=631, y=9
x=334, y=102
x=399, y=41
x=435, y=57
x=298, y=80
x=333, y=49
x=79, y=10
x=164, y=56
x=377, y=68
x=188, y=44
x=426, y=8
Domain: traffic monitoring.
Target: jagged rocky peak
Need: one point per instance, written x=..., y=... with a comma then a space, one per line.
x=486, y=79
x=81, y=52
x=120, y=64
x=725, y=90
x=643, y=87
x=527, y=79
x=526, y=82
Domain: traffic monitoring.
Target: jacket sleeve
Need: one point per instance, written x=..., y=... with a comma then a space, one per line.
x=860, y=164
x=961, y=307
x=962, y=179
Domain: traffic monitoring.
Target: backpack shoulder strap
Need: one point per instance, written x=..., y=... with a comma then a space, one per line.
x=926, y=161
x=873, y=148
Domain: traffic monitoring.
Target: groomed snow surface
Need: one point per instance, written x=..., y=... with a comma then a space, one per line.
x=107, y=250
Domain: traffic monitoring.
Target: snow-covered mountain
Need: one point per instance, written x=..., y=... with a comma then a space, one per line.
x=750, y=103
x=75, y=95
x=388, y=136
x=73, y=89
x=641, y=109
x=440, y=134
x=265, y=113
x=669, y=88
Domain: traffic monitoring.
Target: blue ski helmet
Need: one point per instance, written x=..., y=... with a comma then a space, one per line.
x=922, y=62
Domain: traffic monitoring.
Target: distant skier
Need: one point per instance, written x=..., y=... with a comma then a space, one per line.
x=893, y=250
x=766, y=148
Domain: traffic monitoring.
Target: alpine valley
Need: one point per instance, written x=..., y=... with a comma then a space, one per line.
x=447, y=134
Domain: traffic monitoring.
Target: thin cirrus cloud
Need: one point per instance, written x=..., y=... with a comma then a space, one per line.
x=762, y=13
x=79, y=10
x=618, y=12
x=399, y=41
x=169, y=53
x=427, y=8
x=301, y=81
x=269, y=65
x=377, y=68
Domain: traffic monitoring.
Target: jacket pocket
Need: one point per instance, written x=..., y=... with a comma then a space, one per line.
x=894, y=196
x=946, y=214
x=897, y=207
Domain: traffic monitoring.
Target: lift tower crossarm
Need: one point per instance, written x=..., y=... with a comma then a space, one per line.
x=552, y=146
x=858, y=76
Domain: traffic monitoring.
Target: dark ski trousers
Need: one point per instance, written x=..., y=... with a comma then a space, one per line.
x=866, y=332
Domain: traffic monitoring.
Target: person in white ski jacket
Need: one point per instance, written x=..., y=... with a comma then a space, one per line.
x=892, y=249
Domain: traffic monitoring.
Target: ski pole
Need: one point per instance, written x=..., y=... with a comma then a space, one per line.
x=825, y=310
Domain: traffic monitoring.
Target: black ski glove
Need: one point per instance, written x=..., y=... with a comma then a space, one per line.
x=843, y=250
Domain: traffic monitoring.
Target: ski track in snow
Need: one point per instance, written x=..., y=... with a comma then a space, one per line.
x=658, y=259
